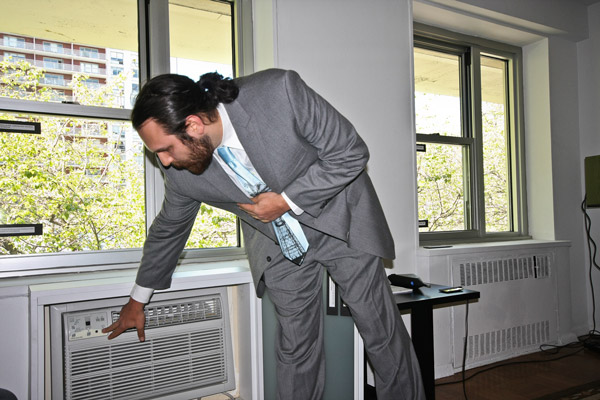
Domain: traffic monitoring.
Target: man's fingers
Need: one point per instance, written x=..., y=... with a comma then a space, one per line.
x=248, y=208
x=140, y=332
x=132, y=316
x=111, y=327
x=116, y=332
x=117, y=328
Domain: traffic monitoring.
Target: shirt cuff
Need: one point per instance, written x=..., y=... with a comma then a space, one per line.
x=297, y=210
x=141, y=294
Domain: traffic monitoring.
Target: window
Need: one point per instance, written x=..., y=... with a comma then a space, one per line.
x=90, y=68
x=14, y=57
x=53, y=63
x=53, y=79
x=12, y=41
x=135, y=89
x=53, y=47
x=116, y=57
x=88, y=52
x=86, y=178
x=469, y=162
x=92, y=83
x=186, y=59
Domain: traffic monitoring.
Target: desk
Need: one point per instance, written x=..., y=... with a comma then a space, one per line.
x=421, y=303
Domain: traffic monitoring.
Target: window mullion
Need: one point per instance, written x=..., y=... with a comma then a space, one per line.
x=476, y=132
x=158, y=37
x=443, y=139
x=516, y=126
x=157, y=42
x=38, y=107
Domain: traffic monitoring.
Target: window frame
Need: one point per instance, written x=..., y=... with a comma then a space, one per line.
x=15, y=42
x=153, y=60
x=53, y=47
x=53, y=63
x=89, y=52
x=89, y=67
x=14, y=57
x=471, y=49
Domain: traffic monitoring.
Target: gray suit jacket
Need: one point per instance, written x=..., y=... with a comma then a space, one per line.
x=300, y=145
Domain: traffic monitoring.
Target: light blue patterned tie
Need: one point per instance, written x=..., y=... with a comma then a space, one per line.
x=289, y=233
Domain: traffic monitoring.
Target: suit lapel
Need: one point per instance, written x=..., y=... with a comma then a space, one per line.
x=221, y=183
x=249, y=134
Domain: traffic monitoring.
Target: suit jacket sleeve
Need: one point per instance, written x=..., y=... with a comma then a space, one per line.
x=166, y=239
x=342, y=154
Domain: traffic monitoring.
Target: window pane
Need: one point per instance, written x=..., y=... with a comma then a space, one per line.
x=442, y=183
x=211, y=21
x=81, y=179
x=437, y=93
x=495, y=144
x=74, y=40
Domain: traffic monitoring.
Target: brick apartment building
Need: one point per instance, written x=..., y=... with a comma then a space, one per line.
x=61, y=60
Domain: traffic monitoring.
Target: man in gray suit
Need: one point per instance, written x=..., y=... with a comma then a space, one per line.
x=313, y=162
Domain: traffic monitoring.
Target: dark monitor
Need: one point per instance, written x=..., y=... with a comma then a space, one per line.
x=592, y=181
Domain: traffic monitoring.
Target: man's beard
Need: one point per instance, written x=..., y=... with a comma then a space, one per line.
x=201, y=154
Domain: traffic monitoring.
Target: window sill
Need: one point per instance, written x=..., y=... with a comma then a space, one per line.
x=93, y=261
x=79, y=286
x=435, y=250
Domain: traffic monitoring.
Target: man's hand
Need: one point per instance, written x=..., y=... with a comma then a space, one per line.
x=132, y=316
x=267, y=207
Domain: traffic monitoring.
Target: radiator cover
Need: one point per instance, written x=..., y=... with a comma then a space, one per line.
x=187, y=352
x=517, y=311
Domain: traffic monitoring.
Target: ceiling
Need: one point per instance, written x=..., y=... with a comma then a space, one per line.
x=439, y=73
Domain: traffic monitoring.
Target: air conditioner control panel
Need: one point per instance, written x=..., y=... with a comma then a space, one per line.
x=86, y=325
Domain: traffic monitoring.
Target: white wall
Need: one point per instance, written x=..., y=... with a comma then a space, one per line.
x=536, y=98
x=14, y=347
x=566, y=173
x=551, y=17
x=588, y=63
x=358, y=55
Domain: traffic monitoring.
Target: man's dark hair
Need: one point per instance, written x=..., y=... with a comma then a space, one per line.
x=169, y=99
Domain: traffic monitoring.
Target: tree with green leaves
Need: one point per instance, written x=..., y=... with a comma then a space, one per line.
x=442, y=179
x=78, y=178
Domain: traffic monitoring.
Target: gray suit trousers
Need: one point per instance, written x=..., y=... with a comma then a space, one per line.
x=296, y=292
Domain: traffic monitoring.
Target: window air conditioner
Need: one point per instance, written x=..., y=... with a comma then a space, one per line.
x=187, y=352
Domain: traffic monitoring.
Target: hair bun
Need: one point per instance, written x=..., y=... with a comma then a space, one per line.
x=216, y=89
x=208, y=81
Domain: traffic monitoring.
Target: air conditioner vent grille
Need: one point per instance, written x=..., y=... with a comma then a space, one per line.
x=180, y=313
x=133, y=370
x=502, y=269
x=507, y=340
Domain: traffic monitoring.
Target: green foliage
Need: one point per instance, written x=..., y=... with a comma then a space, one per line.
x=213, y=228
x=443, y=179
x=495, y=166
x=441, y=187
x=78, y=178
x=20, y=80
x=74, y=183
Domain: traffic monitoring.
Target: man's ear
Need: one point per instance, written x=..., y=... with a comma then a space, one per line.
x=194, y=126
